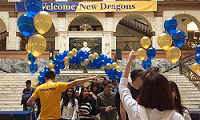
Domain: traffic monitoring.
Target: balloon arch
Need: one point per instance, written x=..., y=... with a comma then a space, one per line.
x=83, y=58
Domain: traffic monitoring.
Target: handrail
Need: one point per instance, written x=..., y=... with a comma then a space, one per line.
x=137, y=26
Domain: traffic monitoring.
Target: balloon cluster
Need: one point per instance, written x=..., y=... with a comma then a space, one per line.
x=28, y=23
x=165, y=40
x=94, y=60
x=196, y=66
x=150, y=52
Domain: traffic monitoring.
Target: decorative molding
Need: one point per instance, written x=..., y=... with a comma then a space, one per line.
x=61, y=14
x=56, y=34
x=109, y=14
x=13, y=14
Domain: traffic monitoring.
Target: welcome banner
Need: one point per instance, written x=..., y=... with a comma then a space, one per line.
x=112, y=6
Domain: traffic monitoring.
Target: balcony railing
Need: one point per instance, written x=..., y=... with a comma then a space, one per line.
x=190, y=44
x=125, y=45
x=50, y=45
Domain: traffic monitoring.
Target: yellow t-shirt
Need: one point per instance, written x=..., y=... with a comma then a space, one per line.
x=50, y=95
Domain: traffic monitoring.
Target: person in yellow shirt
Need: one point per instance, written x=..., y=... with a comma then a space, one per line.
x=50, y=94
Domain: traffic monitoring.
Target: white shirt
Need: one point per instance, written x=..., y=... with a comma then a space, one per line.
x=131, y=106
x=69, y=112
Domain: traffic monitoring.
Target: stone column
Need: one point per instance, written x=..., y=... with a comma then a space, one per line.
x=158, y=27
x=106, y=43
x=12, y=42
x=62, y=42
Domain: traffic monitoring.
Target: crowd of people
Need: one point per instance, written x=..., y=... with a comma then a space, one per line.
x=149, y=96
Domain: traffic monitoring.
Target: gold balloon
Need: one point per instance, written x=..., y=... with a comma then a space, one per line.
x=28, y=48
x=95, y=55
x=145, y=42
x=102, y=68
x=37, y=45
x=27, y=60
x=164, y=41
x=83, y=64
x=142, y=53
x=66, y=61
x=118, y=68
x=51, y=65
x=91, y=57
x=42, y=22
x=74, y=51
x=86, y=61
x=34, y=85
x=70, y=54
x=114, y=65
x=108, y=66
x=36, y=80
x=173, y=54
x=196, y=67
x=53, y=70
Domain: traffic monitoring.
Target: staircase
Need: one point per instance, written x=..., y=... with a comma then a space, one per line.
x=12, y=85
x=137, y=26
x=190, y=94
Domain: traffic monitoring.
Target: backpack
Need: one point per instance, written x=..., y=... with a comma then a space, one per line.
x=25, y=97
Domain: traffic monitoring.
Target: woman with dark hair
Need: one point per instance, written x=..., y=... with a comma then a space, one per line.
x=95, y=90
x=70, y=105
x=86, y=109
x=177, y=99
x=155, y=101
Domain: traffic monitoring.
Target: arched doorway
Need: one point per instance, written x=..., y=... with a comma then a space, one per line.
x=190, y=25
x=78, y=22
x=49, y=36
x=87, y=29
x=130, y=30
x=3, y=35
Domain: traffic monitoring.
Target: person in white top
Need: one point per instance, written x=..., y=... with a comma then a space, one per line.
x=70, y=105
x=177, y=99
x=155, y=101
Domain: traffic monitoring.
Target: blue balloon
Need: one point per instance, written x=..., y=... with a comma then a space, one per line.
x=112, y=61
x=57, y=56
x=98, y=65
x=146, y=64
x=197, y=49
x=170, y=25
x=103, y=63
x=197, y=58
x=85, y=55
x=31, y=58
x=119, y=74
x=151, y=53
x=77, y=62
x=41, y=78
x=71, y=61
x=26, y=25
x=46, y=69
x=101, y=56
x=33, y=6
x=112, y=76
x=89, y=52
x=40, y=83
x=33, y=67
x=62, y=66
x=106, y=71
x=57, y=72
x=61, y=56
x=42, y=73
x=54, y=61
x=118, y=79
x=80, y=53
x=108, y=60
x=81, y=59
x=179, y=38
x=65, y=53
x=114, y=71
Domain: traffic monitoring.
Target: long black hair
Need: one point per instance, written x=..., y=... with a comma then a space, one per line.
x=66, y=97
x=80, y=100
x=95, y=84
x=178, y=106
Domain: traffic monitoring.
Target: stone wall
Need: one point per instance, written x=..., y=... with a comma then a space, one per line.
x=21, y=66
